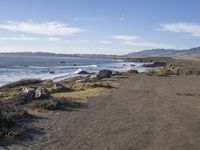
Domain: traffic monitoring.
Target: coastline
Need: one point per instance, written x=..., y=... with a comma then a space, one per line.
x=84, y=95
x=56, y=69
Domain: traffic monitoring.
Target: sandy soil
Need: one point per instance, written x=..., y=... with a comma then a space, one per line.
x=144, y=113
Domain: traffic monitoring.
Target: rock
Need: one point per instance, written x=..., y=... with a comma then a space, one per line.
x=132, y=72
x=166, y=72
x=51, y=72
x=132, y=64
x=155, y=64
x=94, y=76
x=104, y=74
x=42, y=93
x=116, y=73
x=83, y=72
x=28, y=93
x=178, y=71
x=74, y=64
x=59, y=88
x=80, y=81
x=62, y=62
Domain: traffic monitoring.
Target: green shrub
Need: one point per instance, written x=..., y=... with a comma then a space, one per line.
x=132, y=72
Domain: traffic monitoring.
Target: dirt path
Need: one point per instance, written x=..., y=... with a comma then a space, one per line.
x=145, y=113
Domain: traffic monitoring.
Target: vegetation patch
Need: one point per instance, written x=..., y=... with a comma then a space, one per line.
x=11, y=120
x=166, y=72
x=22, y=83
x=83, y=94
x=61, y=103
x=132, y=72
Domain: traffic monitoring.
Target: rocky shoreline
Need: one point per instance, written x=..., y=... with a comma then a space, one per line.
x=20, y=99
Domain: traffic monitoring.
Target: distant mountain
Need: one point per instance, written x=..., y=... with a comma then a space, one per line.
x=191, y=53
x=154, y=52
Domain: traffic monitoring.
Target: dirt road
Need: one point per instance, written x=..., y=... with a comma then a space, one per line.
x=144, y=113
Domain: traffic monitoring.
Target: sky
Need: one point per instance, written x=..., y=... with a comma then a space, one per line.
x=98, y=26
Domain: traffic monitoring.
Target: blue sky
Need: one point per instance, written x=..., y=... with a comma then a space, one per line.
x=103, y=26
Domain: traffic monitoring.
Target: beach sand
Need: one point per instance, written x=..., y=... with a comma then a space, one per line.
x=144, y=112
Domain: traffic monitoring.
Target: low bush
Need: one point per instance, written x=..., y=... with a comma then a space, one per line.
x=53, y=104
x=22, y=83
x=11, y=118
x=188, y=72
x=85, y=86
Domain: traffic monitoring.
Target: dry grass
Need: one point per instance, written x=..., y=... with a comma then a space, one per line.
x=62, y=103
x=84, y=94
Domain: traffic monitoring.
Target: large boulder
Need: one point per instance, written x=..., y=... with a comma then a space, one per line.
x=28, y=93
x=104, y=74
x=42, y=93
x=155, y=64
x=62, y=62
x=51, y=72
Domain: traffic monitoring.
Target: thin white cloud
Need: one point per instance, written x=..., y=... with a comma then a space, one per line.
x=149, y=45
x=105, y=42
x=83, y=41
x=19, y=38
x=126, y=38
x=48, y=28
x=136, y=41
x=122, y=18
x=54, y=39
x=188, y=28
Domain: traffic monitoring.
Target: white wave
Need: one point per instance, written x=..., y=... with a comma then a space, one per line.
x=71, y=71
x=63, y=67
x=79, y=70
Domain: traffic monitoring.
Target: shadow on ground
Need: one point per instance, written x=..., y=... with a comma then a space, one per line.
x=29, y=131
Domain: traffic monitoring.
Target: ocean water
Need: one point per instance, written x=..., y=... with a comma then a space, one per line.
x=16, y=68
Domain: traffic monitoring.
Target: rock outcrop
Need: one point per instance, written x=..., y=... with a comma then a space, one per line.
x=28, y=93
x=42, y=93
x=104, y=74
x=83, y=72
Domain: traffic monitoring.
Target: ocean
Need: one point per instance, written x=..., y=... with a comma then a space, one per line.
x=35, y=67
